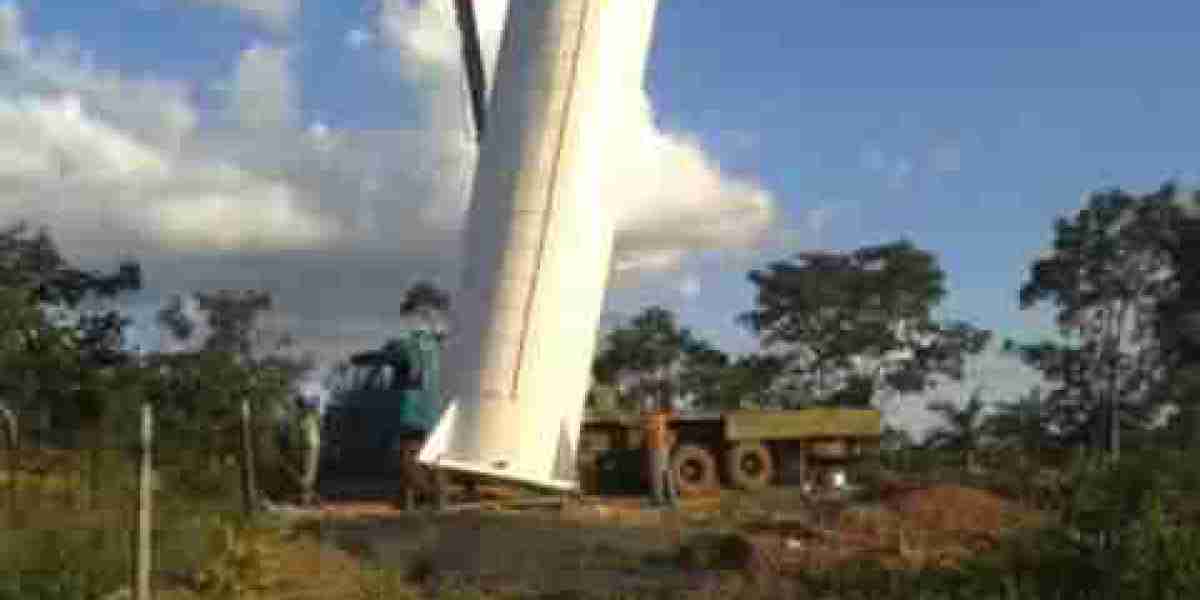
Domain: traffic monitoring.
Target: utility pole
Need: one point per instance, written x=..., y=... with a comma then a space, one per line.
x=249, y=495
x=145, y=522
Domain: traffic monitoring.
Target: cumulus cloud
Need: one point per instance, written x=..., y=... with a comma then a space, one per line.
x=59, y=163
x=109, y=161
x=335, y=222
x=12, y=39
x=263, y=90
x=670, y=195
x=277, y=15
x=1003, y=376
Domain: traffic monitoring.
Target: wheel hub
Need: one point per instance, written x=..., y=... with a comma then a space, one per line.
x=751, y=465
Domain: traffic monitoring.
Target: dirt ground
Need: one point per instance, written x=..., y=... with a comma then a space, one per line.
x=619, y=543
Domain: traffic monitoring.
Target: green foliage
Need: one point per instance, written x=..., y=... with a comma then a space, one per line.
x=844, y=319
x=962, y=427
x=1022, y=425
x=653, y=357
x=753, y=380
x=1113, y=275
x=63, y=563
x=244, y=561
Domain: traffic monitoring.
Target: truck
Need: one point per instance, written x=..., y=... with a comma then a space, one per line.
x=376, y=426
x=747, y=449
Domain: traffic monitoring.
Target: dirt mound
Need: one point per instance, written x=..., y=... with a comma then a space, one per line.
x=950, y=508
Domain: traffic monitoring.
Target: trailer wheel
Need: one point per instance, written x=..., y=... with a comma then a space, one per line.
x=694, y=470
x=748, y=466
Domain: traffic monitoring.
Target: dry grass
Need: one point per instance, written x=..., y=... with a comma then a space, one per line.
x=912, y=529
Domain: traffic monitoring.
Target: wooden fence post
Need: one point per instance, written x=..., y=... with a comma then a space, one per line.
x=143, y=560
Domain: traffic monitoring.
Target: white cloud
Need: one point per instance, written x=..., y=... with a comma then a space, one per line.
x=672, y=196
x=53, y=148
x=53, y=138
x=277, y=15
x=1004, y=377
x=263, y=91
x=334, y=222
x=12, y=37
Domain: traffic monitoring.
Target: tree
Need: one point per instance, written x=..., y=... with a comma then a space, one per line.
x=962, y=428
x=52, y=366
x=704, y=375
x=244, y=368
x=64, y=348
x=896, y=439
x=754, y=380
x=643, y=357
x=1107, y=274
x=428, y=304
x=852, y=324
x=1175, y=226
x=1023, y=425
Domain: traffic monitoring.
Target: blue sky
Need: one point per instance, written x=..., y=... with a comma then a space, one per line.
x=1025, y=106
x=966, y=129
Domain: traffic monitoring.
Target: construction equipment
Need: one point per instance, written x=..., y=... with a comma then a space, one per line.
x=374, y=428
x=377, y=425
x=745, y=449
x=538, y=244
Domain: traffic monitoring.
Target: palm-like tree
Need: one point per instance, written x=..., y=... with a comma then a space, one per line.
x=962, y=428
x=1023, y=425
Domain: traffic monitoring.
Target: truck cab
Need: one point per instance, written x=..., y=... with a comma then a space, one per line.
x=393, y=397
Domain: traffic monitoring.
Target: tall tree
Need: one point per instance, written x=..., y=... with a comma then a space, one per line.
x=254, y=372
x=962, y=428
x=1107, y=273
x=1023, y=425
x=1175, y=224
x=852, y=324
x=55, y=366
x=704, y=375
x=647, y=359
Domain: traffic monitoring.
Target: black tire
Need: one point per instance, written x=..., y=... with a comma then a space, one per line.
x=694, y=470
x=749, y=466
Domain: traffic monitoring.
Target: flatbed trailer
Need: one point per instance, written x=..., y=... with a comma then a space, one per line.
x=744, y=449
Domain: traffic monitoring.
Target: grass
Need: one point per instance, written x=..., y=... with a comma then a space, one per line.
x=895, y=541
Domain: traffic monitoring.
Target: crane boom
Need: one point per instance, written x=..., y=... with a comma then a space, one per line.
x=473, y=62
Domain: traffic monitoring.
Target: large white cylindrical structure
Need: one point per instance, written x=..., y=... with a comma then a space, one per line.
x=538, y=241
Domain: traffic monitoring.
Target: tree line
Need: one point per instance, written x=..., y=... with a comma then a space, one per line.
x=844, y=328
x=835, y=328
x=71, y=379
